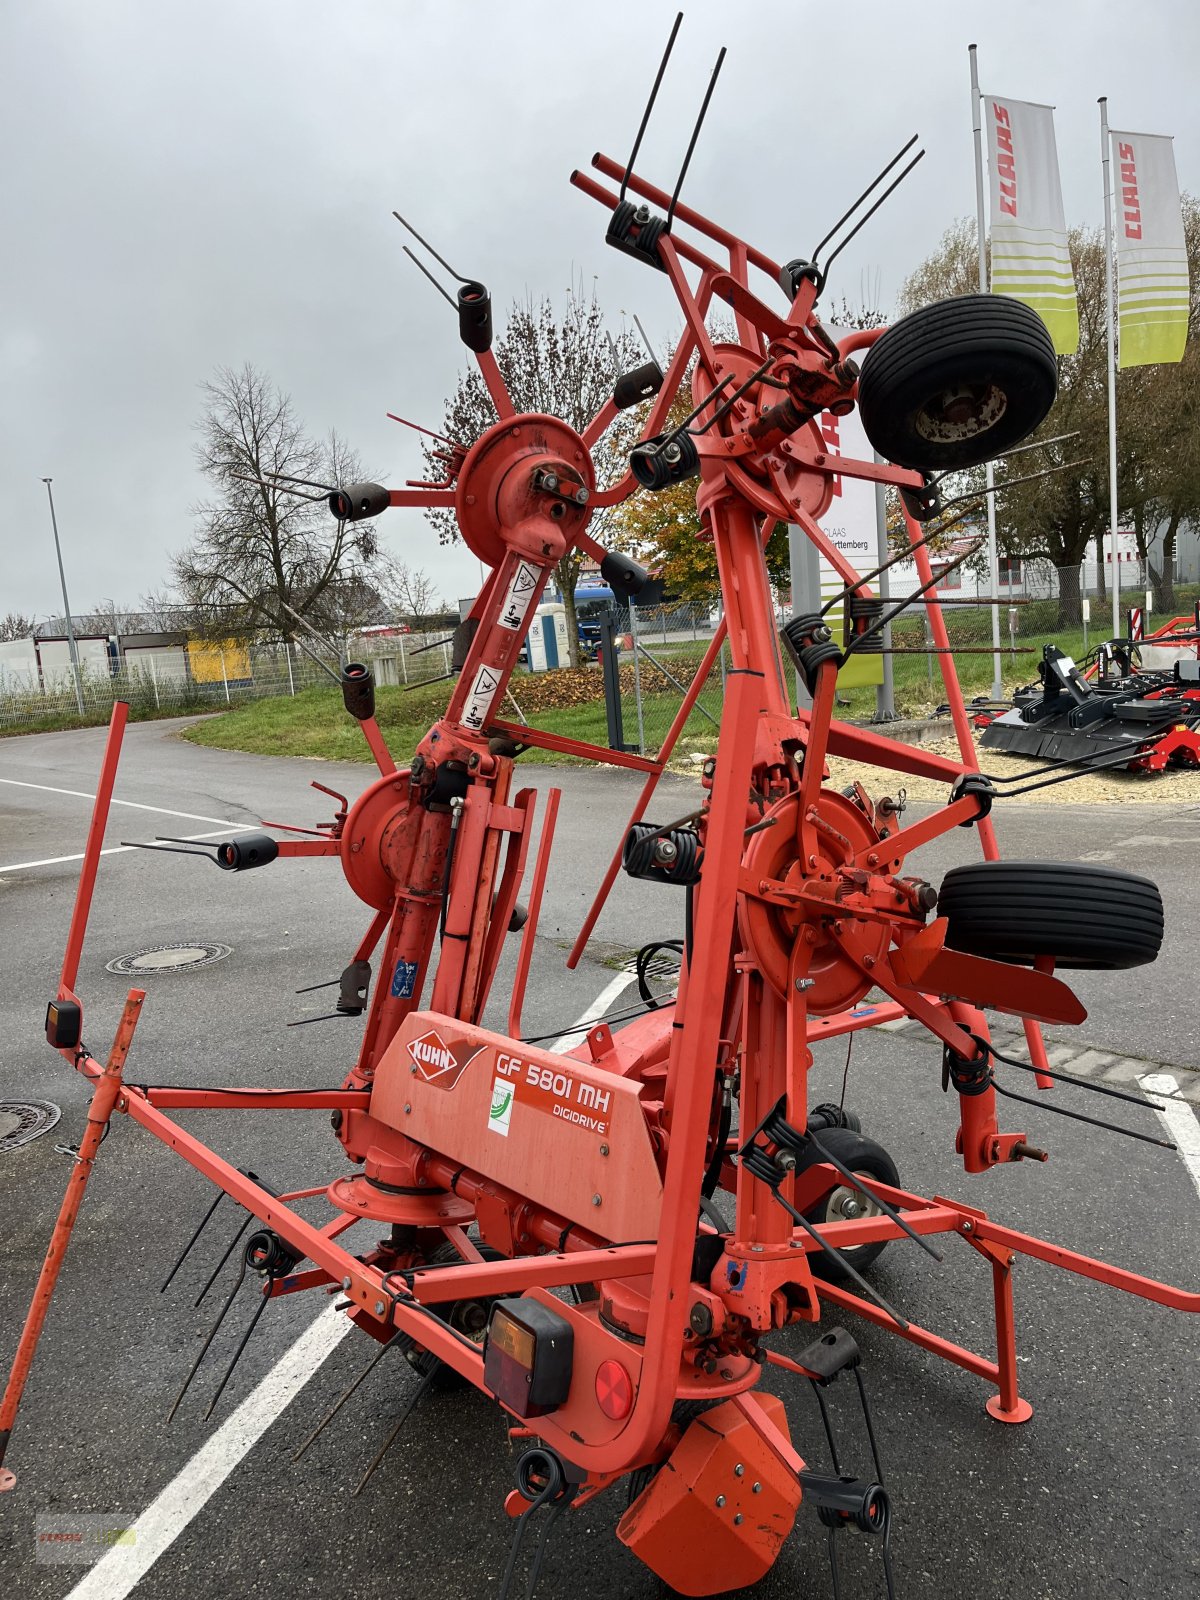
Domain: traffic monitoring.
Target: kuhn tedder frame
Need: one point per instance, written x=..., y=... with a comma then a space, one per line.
x=506, y=1174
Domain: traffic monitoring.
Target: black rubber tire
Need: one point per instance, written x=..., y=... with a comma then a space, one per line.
x=864, y=1157
x=1083, y=916
x=987, y=342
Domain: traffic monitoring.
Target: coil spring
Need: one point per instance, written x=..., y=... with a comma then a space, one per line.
x=628, y=216
x=658, y=465
x=863, y=1505
x=968, y=1077
x=266, y=1253
x=810, y=645
x=540, y=1474
x=862, y=613
x=673, y=856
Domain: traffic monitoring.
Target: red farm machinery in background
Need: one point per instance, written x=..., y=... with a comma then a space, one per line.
x=552, y=1228
x=1132, y=704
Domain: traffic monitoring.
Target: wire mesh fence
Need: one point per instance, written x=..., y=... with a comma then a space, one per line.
x=197, y=678
x=663, y=648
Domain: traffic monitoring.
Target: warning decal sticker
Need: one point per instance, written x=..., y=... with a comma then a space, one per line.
x=479, y=704
x=520, y=592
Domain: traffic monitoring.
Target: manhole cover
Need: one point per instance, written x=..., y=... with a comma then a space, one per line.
x=169, y=958
x=22, y=1121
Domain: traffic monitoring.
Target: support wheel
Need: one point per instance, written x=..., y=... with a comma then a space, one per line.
x=468, y=1317
x=842, y=1202
x=1082, y=916
x=958, y=382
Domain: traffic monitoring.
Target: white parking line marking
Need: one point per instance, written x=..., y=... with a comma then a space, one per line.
x=121, y=849
x=125, y=1565
x=594, y=1012
x=134, y=805
x=1179, y=1120
x=122, y=1568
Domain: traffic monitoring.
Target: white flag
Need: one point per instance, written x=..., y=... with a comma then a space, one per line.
x=1152, y=266
x=1030, y=259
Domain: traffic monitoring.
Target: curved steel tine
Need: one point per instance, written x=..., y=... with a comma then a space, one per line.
x=242, y=1343
x=212, y=1333
x=229, y=1249
x=183, y=1255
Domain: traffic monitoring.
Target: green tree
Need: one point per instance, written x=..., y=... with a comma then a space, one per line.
x=1158, y=481
x=663, y=529
x=1158, y=440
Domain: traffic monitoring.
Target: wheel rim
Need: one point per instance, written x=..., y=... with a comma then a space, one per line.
x=961, y=413
x=847, y=1204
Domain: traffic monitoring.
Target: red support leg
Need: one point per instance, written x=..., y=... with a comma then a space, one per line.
x=1007, y=1406
x=104, y=1098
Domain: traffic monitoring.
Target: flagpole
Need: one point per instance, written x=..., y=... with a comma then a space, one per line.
x=993, y=556
x=1106, y=162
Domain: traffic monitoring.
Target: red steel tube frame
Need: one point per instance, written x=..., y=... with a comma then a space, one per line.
x=91, y=850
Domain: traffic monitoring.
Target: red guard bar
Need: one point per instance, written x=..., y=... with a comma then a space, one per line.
x=91, y=851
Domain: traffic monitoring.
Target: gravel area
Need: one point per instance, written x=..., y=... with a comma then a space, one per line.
x=1171, y=787
x=1175, y=786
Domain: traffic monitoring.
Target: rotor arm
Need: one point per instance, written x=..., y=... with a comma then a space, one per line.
x=694, y=219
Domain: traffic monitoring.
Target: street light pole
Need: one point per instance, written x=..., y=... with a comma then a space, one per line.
x=62, y=578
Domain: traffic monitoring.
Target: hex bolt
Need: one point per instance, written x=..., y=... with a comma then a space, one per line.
x=603, y=1149
x=408, y=1110
x=967, y=1227
x=738, y=1470
x=597, y=1200
x=379, y=1308
x=802, y=984
x=737, y=1520
x=346, y=1283
x=720, y=1499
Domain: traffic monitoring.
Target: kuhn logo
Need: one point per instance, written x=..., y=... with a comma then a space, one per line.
x=432, y=1055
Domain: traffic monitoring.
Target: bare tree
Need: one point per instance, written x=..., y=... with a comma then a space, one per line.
x=564, y=366
x=411, y=593
x=260, y=546
x=16, y=626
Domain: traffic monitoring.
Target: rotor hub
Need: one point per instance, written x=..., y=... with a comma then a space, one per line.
x=841, y=942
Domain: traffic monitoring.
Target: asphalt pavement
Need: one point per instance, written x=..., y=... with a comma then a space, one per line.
x=1093, y=1497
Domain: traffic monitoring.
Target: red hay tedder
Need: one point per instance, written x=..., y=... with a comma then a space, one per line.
x=550, y=1231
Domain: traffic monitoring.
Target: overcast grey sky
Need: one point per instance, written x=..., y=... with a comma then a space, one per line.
x=187, y=185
